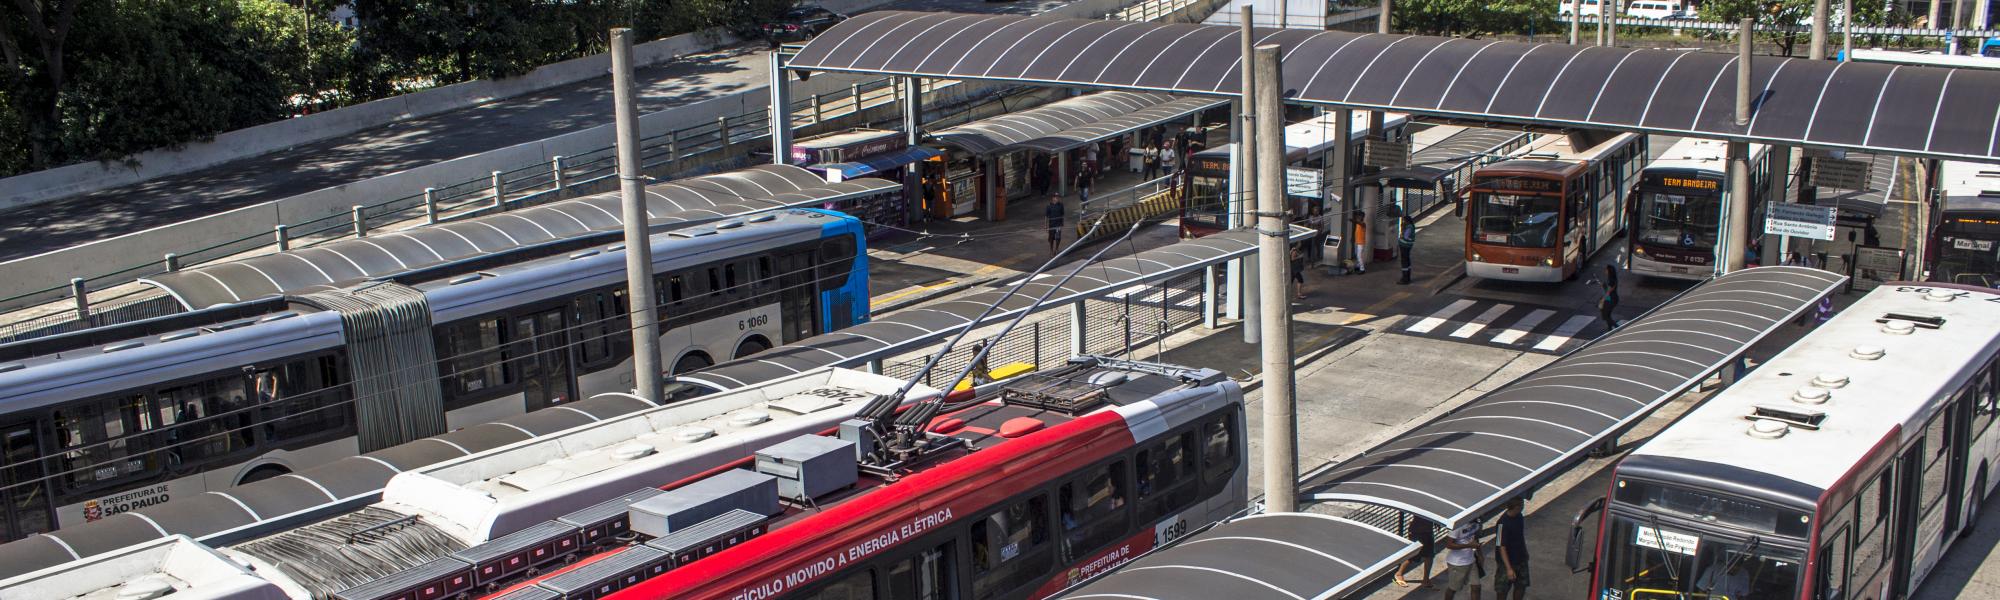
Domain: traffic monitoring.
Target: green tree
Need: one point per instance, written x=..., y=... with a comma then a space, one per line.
x=34, y=41
x=1472, y=18
x=1793, y=16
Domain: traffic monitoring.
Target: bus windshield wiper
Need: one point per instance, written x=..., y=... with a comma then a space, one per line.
x=1749, y=551
x=1660, y=545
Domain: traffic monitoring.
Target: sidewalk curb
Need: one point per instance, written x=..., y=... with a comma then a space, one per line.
x=1447, y=279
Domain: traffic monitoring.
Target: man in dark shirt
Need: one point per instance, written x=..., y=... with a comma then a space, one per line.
x=1055, y=214
x=1512, y=557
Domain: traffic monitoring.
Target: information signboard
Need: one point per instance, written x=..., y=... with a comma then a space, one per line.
x=1305, y=183
x=1840, y=173
x=1873, y=266
x=1386, y=154
x=1799, y=220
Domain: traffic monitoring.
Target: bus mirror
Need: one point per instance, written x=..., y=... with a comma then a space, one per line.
x=1574, y=555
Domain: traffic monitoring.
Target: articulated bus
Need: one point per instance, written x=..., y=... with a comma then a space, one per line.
x=1678, y=210
x=1205, y=208
x=1841, y=469
x=1541, y=214
x=107, y=420
x=1965, y=237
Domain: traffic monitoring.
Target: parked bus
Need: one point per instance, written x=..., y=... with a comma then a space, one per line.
x=1541, y=214
x=1204, y=209
x=1843, y=468
x=1965, y=236
x=1013, y=491
x=1679, y=208
x=103, y=421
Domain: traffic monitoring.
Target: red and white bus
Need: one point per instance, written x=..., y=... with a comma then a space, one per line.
x=1032, y=487
x=1539, y=215
x=1841, y=469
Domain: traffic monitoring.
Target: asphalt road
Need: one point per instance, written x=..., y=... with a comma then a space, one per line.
x=402, y=145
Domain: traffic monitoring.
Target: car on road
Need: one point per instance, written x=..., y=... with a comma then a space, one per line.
x=801, y=22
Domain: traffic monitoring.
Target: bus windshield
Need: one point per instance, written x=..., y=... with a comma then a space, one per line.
x=1648, y=561
x=1967, y=252
x=1678, y=220
x=1521, y=221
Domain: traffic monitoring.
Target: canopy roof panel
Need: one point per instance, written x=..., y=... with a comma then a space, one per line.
x=1071, y=122
x=1937, y=112
x=912, y=329
x=1464, y=463
x=1273, y=556
x=334, y=264
x=1438, y=160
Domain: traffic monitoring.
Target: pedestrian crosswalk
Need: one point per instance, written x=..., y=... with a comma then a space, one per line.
x=1504, y=325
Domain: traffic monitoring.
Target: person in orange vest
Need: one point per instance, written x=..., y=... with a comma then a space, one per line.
x=1360, y=242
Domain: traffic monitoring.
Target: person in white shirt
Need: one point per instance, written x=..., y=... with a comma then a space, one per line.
x=1461, y=560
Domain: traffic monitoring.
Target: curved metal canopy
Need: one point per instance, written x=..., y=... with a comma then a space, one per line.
x=1935, y=112
x=1501, y=444
x=1071, y=122
x=334, y=264
x=1274, y=556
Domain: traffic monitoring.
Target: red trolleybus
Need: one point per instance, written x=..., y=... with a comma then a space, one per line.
x=1678, y=210
x=1842, y=469
x=1539, y=215
x=1013, y=494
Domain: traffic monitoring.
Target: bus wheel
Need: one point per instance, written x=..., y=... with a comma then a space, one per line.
x=694, y=361
x=752, y=346
x=263, y=473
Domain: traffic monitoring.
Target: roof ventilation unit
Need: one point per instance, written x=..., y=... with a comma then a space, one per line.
x=810, y=466
x=1940, y=295
x=734, y=489
x=1830, y=380
x=1767, y=429
x=1802, y=418
x=1867, y=352
x=1811, y=395
x=1899, y=328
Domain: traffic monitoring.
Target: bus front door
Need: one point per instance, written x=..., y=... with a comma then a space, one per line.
x=26, y=491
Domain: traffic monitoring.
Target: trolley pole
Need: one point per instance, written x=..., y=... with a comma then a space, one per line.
x=1739, y=160
x=1242, y=171
x=1281, y=460
x=1819, y=30
x=638, y=243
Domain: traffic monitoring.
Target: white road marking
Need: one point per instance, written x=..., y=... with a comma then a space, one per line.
x=1563, y=333
x=1523, y=326
x=1481, y=321
x=1439, y=317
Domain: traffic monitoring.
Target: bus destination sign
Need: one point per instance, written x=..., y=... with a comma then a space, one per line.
x=1688, y=183
x=1521, y=184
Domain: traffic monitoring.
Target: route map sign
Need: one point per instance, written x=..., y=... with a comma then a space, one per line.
x=1799, y=220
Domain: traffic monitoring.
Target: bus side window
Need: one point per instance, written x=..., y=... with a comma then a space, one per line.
x=1167, y=478
x=859, y=585
x=1218, y=453
x=1091, y=509
x=1009, y=547
x=309, y=399
x=102, y=443
x=1871, y=527
x=925, y=575
x=1984, y=406
x=1832, y=584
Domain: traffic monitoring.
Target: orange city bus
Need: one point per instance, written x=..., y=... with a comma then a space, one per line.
x=1540, y=214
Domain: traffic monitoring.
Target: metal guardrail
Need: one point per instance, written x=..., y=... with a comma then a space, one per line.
x=1832, y=28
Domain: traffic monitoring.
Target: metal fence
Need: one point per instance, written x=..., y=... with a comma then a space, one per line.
x=1132, y=323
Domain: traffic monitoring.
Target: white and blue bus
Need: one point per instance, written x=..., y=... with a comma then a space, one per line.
x=106, y=420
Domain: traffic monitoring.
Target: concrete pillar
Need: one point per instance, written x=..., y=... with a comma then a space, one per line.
x=556, y=173
x=284, y=237
x=1208, y=297
x=781, y=112
x=81, y=294
x=1575, y=22
x=1818, y=49
x=1343, y=179
x=992, y=166
x=499, y=184
x=431, y=205
x=1931, y=18
x=1241, y=168
x=912, y=104
x=172, y=262
x=1078, y=324
x=1062, y=173
x=360, y=221
x=1780, y=186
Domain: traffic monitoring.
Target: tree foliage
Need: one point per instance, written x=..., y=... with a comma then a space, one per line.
x=1472, y=18
x=103, y=79
x=1796, y=14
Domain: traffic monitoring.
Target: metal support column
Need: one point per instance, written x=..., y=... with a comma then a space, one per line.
x=360, y=220
x=1343, y=180
x=556, y=173
x=1208, y=297
x=992, y=185
x=1779, y=181
x=781, y=112
x=499, y=183
x=1818, y=49
x=1575, y=22
x=431, y=205
x=912, y=103
x=284, y=237
x=1078, y=334
x=1244, y=199
x=81, y=293
x=1731, y=250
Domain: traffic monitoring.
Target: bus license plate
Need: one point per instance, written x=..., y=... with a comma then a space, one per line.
x=1509, y=270
x=1679, y=269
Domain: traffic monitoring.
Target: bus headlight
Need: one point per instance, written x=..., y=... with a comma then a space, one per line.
x=1475, y=257
x=1639, y=250
x=1550, y=261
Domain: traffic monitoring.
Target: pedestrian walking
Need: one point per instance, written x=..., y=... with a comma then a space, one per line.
x=1299, y=272
x=1169, y=159
x=1609, y=301
x=1090, y=164
x=1461, y=561
x=1360, y=242
x=1054, y=212
x=1406, y=242
x=1152, y=163
x=1511, y=558
x=1083, y=187
x=1424, y=533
